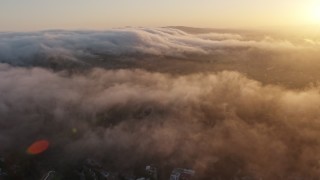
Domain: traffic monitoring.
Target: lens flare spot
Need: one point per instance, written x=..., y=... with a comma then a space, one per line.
x=38, y=147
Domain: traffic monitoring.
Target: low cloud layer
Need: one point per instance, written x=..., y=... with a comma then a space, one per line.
x=226, y=104
x=220, y=124
x=62, y=47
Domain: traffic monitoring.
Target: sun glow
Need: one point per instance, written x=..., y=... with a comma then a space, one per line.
x=315, y=13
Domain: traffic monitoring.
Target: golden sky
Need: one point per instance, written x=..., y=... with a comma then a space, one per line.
x=101, y=14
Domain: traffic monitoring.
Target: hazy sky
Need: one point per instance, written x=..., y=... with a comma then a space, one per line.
x=99, y=14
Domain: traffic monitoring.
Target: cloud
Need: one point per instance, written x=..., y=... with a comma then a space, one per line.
x=220, y=36
x=60, y=46
x=220, y=124
x=225, y=104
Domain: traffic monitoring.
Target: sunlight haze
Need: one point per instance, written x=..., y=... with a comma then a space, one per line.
x=20, y=15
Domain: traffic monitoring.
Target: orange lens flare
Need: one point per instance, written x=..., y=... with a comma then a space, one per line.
x=38, y=147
